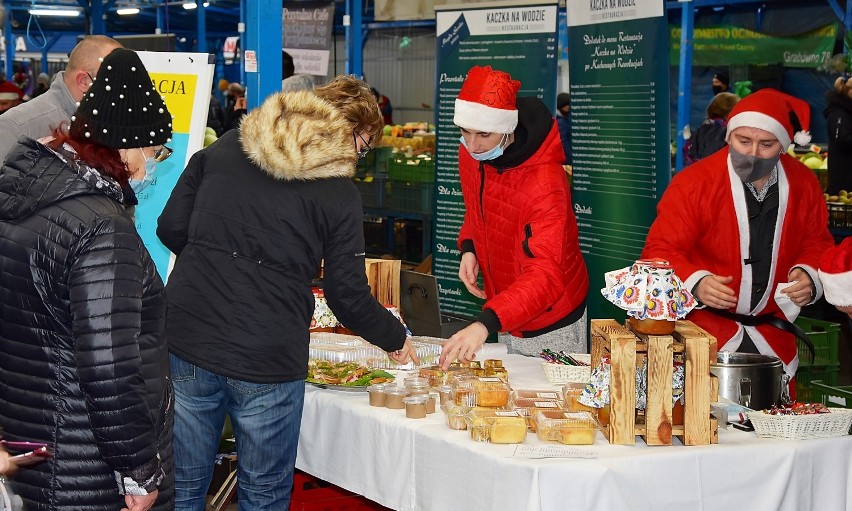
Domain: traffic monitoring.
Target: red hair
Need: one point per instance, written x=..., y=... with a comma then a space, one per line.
x=100, y=157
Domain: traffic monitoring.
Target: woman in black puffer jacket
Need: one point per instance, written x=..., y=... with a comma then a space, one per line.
x=83, y=359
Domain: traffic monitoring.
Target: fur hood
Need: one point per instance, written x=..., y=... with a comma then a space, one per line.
x=299, y=136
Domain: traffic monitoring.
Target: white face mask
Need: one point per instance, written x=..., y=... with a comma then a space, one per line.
x=140, y=184
x=494, y=152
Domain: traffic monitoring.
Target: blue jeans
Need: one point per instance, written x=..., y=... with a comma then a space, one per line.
x=265, y=418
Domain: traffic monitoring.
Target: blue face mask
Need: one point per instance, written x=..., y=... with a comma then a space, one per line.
x=495, y=152
x=140, y=184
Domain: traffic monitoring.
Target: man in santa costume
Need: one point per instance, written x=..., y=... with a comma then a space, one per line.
x=519, y=230
x=745, y=228
x=835, y=272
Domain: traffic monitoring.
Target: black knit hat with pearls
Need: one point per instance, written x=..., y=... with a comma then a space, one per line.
x=122, y=109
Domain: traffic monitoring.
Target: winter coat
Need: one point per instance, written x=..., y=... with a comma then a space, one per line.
x=708, y=138
x=838, y=116
x=702, y=229
x=520, y=223
x=251, y=220
x=83, y=362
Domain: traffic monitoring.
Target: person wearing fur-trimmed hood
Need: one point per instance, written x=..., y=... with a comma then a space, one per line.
x=251, y=220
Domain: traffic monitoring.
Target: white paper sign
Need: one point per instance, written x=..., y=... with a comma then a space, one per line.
x=552, y=451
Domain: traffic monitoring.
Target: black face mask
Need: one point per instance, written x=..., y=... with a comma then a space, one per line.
x=750, y=168
x=717, y=89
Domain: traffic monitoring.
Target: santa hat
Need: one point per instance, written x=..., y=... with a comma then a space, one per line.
x=10, y=91
x=486, y=101
x=835, y=273
x=784, y=116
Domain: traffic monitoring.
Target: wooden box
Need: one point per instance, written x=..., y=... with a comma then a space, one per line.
x=383, y=277
x=627, y=350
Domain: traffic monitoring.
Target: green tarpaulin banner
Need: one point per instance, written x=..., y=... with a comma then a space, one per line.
x=620, y=131
x=727, y=45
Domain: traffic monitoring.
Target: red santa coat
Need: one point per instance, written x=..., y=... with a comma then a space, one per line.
x=702, y=229
x=525, y=236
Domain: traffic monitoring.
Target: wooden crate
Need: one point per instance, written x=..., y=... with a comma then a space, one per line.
x=627, y=350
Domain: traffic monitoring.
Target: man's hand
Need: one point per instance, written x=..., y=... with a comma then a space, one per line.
x=139, y=502
x=468, y=271
x=801, y=292
x=463, y=345
x=713, y=291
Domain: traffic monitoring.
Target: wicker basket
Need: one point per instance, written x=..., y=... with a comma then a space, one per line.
x=560, y=374
x=802, y=427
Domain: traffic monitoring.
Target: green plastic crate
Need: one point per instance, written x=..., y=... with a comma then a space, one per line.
x=840, y=397
x=808, y=374
x=372, y=191
x=366, y=166
x=412, y=170
x=411, y=197
x=825, y=336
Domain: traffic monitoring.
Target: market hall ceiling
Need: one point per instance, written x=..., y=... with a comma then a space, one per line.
x=221, y=16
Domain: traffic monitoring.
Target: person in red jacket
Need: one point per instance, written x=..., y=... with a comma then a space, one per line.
x=745, y=228
x=519, y=230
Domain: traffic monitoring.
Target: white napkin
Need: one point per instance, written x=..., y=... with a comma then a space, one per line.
x=791, y=310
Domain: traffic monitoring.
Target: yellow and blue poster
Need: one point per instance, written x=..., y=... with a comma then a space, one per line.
x=185, y=81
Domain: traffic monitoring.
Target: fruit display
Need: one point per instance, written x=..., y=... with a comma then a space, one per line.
x=209, y=136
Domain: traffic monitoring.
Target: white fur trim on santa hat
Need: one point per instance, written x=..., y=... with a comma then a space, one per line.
x=802, y=137
x=6, y=96
x=759, y=120
x=478, y=117
x=837, y=288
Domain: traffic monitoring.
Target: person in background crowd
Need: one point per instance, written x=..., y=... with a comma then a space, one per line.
x=85, y=368
x=745, y=227
x=42, y=85
x=710, y=136
x=235, y=106
x=216, y=116
x=292, y=81
x=384, y=106
x=519, y=228
x=720, y=83
x=563, y=119
x=251, y=220
x=23, y=77
x=838, y=117
x=37, y=117
x=10, y=97
x=835, y=273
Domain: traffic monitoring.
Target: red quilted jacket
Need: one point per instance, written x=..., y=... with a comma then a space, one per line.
x=522, y=227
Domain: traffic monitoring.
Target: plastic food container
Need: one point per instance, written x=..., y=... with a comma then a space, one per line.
x=415, y=406
x=573, y=428
x=572, y=393
x=540, y=394
x=377, y=394
x=445, y=394
x=456, y=416
x=491, y=392
x=394, y=396
x=415, y=380
x=431, y=403
x=501, y=428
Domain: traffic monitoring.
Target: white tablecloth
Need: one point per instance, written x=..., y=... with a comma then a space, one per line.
x=409, y=464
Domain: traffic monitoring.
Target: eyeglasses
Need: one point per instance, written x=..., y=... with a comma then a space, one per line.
x=364, y=149
x=92, y=78
x=163, y=154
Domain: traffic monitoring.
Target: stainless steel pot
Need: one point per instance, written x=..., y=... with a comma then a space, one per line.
x=752, y=380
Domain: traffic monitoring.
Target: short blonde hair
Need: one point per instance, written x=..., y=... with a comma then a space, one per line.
x=356, y=102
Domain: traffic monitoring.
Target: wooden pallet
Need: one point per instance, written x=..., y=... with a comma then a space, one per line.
x=627, y=350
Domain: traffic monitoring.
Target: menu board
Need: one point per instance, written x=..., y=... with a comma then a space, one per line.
x=620, y=131
x=516, y=37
